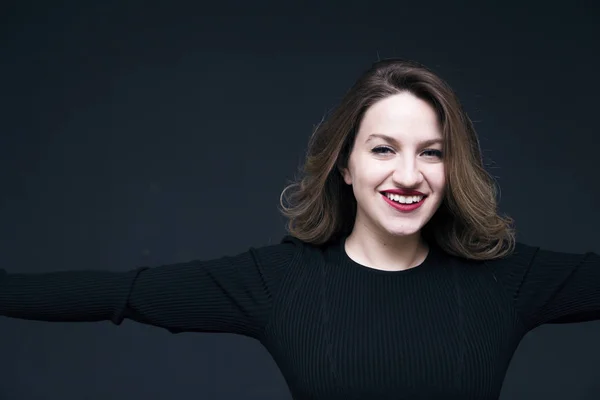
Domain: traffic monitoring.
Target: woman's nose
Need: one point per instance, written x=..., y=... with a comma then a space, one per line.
x=407, y=174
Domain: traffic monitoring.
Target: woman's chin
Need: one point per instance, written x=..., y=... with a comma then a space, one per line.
x=403, y=232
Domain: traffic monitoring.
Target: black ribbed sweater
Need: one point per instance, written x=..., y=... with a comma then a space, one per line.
x=446, y=329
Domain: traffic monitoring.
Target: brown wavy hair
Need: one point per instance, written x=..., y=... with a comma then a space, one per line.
x=320, y=207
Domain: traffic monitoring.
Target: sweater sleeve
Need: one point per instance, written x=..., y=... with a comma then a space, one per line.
x=230, y=294
x=551, y=287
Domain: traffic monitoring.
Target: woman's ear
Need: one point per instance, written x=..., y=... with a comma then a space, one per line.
x=345, y=172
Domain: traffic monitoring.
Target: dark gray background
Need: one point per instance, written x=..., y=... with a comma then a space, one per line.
x=138, y=134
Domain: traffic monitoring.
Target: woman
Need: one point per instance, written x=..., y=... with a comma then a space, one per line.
x=399, y=280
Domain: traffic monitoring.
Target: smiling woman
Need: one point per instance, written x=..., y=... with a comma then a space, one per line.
x=399, y=163
x=400, y=128
x=399, y=279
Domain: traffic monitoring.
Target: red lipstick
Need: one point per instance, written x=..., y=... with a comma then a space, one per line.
x=403, y=192
x=400, y=206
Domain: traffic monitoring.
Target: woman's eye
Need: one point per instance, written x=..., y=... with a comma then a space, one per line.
x=381, y=150
x=434, y=153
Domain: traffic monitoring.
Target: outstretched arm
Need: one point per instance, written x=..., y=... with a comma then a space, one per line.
x=552, y=287
x=230, y=294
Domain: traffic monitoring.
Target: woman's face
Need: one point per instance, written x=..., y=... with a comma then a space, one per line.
x=398, y=147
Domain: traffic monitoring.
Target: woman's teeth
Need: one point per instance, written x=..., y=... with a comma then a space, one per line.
x=404, y=199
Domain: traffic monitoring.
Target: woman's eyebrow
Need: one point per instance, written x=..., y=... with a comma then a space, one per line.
x=393, y=141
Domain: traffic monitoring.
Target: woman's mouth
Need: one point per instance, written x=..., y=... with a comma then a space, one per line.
x=404, y=203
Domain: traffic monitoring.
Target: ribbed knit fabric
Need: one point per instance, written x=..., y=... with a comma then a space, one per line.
x=446, y=329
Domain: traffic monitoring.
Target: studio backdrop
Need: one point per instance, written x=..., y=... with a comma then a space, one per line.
x=139, y=134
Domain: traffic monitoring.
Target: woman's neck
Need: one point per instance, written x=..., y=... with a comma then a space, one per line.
x=389, y=253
